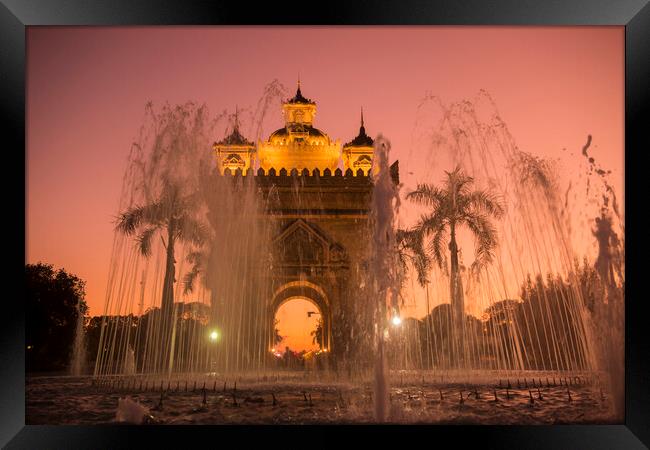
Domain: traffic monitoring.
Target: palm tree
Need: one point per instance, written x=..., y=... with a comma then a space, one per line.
x=197, y=259
x=317, y=334
x=453, y=206
x=410, y=249
x=171, y=215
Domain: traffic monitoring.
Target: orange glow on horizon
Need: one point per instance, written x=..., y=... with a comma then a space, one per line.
x=295, y=325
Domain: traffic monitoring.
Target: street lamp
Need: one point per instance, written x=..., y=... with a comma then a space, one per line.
x=396, y=320
x=214, y=335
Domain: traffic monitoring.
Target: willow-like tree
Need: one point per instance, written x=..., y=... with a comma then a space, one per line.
x=454, y=205
x=172, y=217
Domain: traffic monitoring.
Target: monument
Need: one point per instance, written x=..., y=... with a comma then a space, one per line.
x=319, y=214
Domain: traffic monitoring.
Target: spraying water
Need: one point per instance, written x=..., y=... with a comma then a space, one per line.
x=199, y=263
x=204, y=256
x=537, y=307
x=384, y=206
x=79, y=347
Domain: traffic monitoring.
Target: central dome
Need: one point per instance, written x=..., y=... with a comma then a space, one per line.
x=307, y=133
x=299, y=145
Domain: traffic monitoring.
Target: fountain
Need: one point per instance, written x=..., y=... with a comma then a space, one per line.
x=384, y=274
x=79, y=347
x=205, y=252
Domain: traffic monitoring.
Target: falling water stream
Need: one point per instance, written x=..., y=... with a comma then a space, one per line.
x=384, y=207
x=79, y=347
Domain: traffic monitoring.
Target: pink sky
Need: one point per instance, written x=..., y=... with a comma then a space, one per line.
x=87, y=88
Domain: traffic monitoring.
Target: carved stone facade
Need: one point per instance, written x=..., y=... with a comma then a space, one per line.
x=321, y=229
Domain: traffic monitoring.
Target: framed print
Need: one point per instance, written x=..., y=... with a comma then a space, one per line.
x=377, y=218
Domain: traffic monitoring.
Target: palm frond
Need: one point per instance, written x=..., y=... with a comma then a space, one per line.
x=457, y=182
x=437, y=248
x=195, y=257
x=133, y=218
x=144, y=241
x=129, y=221
x=484, y=201
x=189, y=279
x=422, y=265
x=421, y=261
x=486, y=239
x=430, y=223
x=426, y=194
x=411, y=243
x=192, y=231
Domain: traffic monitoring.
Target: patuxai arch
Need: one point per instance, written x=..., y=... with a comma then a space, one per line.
x=307, y=291
x=317, y=195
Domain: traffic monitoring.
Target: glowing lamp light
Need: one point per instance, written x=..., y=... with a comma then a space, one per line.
x=214, y=336
x=396, y=321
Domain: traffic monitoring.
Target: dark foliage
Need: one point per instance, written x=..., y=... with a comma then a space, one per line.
x=51, y=312
x=541, y=330
x=136, y=334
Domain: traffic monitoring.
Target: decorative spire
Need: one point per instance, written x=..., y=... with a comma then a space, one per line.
x=298, y=93
x=362, y=129
x=362, y=140
x=298, y=98
x=235, y=137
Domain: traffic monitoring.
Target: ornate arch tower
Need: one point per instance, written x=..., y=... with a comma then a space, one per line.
x=357, y=154
x=234, y=152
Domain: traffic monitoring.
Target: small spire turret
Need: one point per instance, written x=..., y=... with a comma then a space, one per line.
x=298, y=98
x=362, y=139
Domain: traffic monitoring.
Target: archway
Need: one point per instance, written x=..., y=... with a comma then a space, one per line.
x=298, y=323
x=309, y=292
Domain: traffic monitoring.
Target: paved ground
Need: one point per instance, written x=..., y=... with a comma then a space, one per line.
x=79, y=400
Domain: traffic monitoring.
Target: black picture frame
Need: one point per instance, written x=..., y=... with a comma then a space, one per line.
x=16, y=15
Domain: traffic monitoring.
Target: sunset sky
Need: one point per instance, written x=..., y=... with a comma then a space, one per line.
x=87, y=89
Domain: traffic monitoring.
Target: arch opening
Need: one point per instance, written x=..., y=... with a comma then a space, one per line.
x=312, y=303
x=298, y=326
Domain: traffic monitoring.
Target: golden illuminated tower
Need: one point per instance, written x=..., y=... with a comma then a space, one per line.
x=234, y=152
x=357, y=154
x=299, y=145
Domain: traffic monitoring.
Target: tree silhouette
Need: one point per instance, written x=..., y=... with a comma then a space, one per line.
x=317, y=334
x=53, y=300
x=171, y=215
x=453, y=206
x=277, y=338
